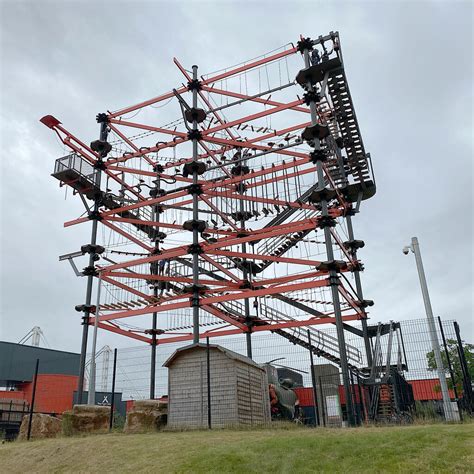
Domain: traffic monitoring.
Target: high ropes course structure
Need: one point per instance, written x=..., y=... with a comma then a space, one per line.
x=226, y=207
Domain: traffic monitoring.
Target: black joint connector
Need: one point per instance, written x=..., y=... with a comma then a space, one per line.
x=158, y=235
x=318, y=155
x=94, y=216
x=194, y=84
x=357, y=266
x=195, y=249
x=195, y=189
x=239, y=170
x=326, y=221
x=101, y=147
x=158, y=169
x=195, y=114
x=201, y=289
x=332, y=265
x=155, y=251
x=197, y=224
x=311, y=96
x=90, y=271
x=157, y=192
x=241, y=188
x=194, y=167
x=92, y=249
x=365, y=303
x=154, y=332
x=84, y=308
x=100, y=165
x=194, y=135
x=325, y=194
x=102, y=118
x=241, y=216
x=245, y=285
x=304, y=43
x=353, y=245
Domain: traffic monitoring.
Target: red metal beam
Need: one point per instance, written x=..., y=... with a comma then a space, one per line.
x=266, y=327
x=259, y=100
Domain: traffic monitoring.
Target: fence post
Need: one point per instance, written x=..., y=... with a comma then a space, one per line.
x=467, y=384
x=322, y=413
x=209, y=425
x=112, y=397
x=313, y=381
x=30, y=421
x=450, y=366
x=9, y=413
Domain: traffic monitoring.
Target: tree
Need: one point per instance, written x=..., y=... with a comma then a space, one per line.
x=455, y=363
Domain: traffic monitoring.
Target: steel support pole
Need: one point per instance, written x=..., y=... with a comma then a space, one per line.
x=313, y=382
x=208, y=360
x=450, y=365
x=467, y=383
x=360, y=295
x=90, y=277
x=112, y=397
x=333, y=276
x=154, y=321
x=33, y=398
x=195, y=300
x=245, y=272
x=93, y=375
x=448, y=412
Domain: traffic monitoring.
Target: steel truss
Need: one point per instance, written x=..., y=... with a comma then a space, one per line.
x=239, y=208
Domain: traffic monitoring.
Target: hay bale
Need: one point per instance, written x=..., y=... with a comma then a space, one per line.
x=42, y=426
x=86, y=419
x=146, y=415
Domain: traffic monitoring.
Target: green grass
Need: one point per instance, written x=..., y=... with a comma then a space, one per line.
x=419, y=448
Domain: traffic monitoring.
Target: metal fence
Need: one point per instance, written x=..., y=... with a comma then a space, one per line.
x=216, y=385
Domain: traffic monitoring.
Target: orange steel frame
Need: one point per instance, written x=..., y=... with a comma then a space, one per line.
x=233, y=287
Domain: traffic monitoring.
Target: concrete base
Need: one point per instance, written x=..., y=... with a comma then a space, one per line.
x=146, y=415
x=86, y=419
x=42, y=426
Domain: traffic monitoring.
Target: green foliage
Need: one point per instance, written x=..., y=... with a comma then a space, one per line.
x=119, y=421
x=426, y=412
x=455, y=362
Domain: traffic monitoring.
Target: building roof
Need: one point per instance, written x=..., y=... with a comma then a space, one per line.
x=17, y=362
x=230, y=354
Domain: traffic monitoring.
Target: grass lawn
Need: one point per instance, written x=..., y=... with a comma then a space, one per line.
x=419, y=448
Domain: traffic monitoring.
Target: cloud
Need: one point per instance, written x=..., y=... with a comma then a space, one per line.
x=407, y=66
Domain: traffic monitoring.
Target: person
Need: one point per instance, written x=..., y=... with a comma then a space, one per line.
x=161, y=266
x=315, y=57
x=161, y=271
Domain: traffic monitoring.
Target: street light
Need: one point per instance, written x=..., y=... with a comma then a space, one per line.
x=415, y=248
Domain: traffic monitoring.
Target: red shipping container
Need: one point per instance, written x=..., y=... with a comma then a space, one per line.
x=305, y=396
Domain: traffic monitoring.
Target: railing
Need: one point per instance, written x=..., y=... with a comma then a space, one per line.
x=77, y=164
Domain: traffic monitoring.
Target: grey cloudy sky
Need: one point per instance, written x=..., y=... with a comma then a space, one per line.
x=409, y=66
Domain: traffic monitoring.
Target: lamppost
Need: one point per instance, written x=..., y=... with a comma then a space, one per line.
x=415, y=248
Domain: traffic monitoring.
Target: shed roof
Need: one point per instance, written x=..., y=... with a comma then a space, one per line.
x=230, y=354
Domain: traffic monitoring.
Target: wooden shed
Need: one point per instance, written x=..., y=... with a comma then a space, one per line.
x=239, y=388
